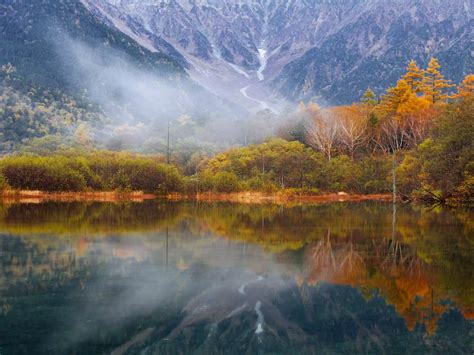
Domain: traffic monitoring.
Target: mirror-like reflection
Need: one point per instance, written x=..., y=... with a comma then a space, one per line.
x=159, y=277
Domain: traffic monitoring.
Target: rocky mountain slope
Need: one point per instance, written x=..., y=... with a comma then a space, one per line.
x=328, y=50
x=61, y=65
x=60, y=44
x=35, y=38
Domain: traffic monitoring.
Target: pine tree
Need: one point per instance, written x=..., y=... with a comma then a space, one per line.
x=434, y=84
x=369, y=98
x=414, y=76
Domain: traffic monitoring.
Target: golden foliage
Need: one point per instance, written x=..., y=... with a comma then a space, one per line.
x=434, y=84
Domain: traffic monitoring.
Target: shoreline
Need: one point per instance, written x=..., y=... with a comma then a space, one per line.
x=29, y=196
x=246, y=197
x=280, y=197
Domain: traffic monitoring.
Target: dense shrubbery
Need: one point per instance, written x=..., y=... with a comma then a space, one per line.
x=278, y=164
x=274, y=165
x=98, y=171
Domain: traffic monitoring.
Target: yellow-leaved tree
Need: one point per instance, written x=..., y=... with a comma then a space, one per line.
x=466, y=88
x=434, y=85
x=403, y=122
x=395, y=96
x=414, y=77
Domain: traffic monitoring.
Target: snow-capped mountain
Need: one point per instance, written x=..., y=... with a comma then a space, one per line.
x=329, y=50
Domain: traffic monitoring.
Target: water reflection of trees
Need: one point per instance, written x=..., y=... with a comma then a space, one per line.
x=424, y=260
x=391, y=268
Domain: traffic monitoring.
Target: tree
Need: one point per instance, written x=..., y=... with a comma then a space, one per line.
x=447, y=157
x=226, y=182
x=369, y=98
x=434, y=84
x=404, y=118
x=415, y=116
x=395, y=96
x=391, y=136
x=82, y=135
x=322, y=130
x=466, y=88
x=414, y=76
x=353, y=123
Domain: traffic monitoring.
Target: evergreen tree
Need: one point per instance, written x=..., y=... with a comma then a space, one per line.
x=369, y=98
x=434, y=84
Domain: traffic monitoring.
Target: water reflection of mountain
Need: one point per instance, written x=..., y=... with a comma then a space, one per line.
x=197, y=277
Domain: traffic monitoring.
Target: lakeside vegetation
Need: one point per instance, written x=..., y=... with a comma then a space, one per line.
x=417, y=138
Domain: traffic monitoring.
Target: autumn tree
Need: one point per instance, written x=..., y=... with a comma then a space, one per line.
x=322, y=130
x=415, y=116
x=404, y=118
x=393, y=98
x=398, y=111
x=414, y=77
x=434, y=84
x=82, y=135
x=352, y=123
x=466, y=88
x=447, y=156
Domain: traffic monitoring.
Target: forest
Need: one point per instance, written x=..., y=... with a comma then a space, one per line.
x=416, y=138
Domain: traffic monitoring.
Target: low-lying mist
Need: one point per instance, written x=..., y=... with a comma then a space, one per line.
x=140, y=103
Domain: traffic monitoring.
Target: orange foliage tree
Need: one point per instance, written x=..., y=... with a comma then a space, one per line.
x=434, y=85
x=466, y=88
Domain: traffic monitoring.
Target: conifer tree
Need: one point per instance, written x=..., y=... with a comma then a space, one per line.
x=434, y=84
x=394, y=97
x=414, y=76
x=369, y=98
x=466, y=88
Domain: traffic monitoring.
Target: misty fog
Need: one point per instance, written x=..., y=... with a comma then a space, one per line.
x=140, y=104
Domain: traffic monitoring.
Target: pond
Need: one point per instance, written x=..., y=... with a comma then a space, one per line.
x=210, y=278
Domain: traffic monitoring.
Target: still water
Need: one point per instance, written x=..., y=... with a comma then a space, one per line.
x=149, y=278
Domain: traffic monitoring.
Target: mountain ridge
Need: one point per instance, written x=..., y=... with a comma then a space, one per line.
x=226, y=39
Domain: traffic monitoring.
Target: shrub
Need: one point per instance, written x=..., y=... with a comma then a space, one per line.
x=374, y=171
x=255, y=183
x=226, y=182
x=47, y=174
x=341, y=174
x=99, y=171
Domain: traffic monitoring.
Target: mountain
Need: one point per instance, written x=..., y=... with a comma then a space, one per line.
x=62, y=65
x=131, y=66
x=255, y=51
x=34, y=36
